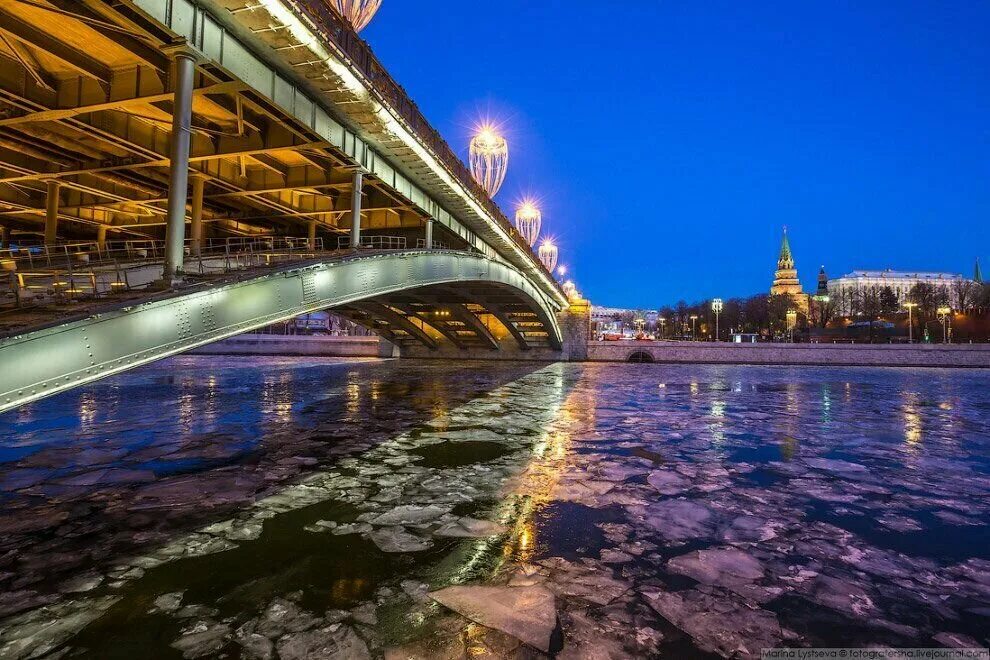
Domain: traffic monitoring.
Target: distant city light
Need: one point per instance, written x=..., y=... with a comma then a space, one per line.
x=358, y=12
x=548, y=254
x=528, y=220
x=489, y=156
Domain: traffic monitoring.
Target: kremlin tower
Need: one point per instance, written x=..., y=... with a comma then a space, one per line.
x=785, y=280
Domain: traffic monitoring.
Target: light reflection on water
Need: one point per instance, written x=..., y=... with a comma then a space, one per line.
x=774, y=443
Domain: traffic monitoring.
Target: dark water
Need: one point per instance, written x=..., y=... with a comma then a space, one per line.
x=206, y=507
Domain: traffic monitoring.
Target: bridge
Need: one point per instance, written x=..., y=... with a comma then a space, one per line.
x=175, y=172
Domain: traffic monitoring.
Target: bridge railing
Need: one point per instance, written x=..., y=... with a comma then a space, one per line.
x=69, y=272
x=437, y=245
x=374, y=242
x=84, y=253
x=339, y=32
x=72, y=272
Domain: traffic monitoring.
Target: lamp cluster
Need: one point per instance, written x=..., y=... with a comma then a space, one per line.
x=488, y=154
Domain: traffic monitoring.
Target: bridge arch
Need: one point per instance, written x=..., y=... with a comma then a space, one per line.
x=641, y=356
x=51, y=360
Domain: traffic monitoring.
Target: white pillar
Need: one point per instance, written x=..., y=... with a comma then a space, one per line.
x=196, y=226
x=178, y=183
x=356, y=209
x=51, y=212
x=429, y=233
x=311, y=234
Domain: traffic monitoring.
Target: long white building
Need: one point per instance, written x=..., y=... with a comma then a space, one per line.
x=843, y=290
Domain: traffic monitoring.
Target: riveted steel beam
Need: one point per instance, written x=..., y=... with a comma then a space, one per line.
x=44, y=362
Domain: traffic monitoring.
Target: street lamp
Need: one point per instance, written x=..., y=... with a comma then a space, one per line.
x=910, y=306
x=944, y=315
x=791, y=322
x=694, y=335
x=717, y=308
x=663, y=326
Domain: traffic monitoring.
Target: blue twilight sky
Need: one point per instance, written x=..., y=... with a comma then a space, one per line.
x=670, y=141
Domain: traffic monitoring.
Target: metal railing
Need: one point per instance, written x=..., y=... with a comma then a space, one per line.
x=69, y=272
x=374, y=242
x=64, y=255
x=437, y=245
x=342, y=35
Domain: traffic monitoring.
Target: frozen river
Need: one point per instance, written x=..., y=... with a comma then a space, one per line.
x=300, y=508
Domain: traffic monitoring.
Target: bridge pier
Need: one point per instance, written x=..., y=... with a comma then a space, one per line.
x=4, y=237
x=429, y=233
x=51, y=211
x=311, y=234
x=356, y=209
x=196, y=226
x=178, y=183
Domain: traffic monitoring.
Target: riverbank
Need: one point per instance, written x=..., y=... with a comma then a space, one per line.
x=839, y=355
x=667, y=352
x=299, y=345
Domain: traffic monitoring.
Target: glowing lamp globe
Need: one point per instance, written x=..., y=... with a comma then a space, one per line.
x=358, y=12
x=548, y=255
x=528, y=221
x=489, y=158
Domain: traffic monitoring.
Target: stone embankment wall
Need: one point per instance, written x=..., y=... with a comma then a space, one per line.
x=309, y=345
x=886, y=355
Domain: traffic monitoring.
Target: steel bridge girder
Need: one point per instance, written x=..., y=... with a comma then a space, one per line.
x=44, y=362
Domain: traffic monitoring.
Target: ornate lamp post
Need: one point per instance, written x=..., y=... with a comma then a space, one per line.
x=910, y=306
x=694, y=335
x=663, y=326
x=548, y=254
x=717, y=308
x=791, y=322
x=489, y=158
x=945, y=316
x=358, y=12
x=528, y=221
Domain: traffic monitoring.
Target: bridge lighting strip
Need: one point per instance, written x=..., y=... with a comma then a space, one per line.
x=286, y=16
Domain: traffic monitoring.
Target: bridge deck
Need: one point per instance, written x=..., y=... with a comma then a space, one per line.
x=408, y=296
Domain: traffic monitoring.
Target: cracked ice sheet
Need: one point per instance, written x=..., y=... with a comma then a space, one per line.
x=768, y=457
x=758, y=502
x=417, y=506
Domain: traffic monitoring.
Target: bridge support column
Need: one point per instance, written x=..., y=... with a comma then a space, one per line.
x=196, y=226
x=356, y=209
x=101, y=238
x=4, y=237
x=429, y=233
x=51, y=211
x=311, y=234
x=178, y=182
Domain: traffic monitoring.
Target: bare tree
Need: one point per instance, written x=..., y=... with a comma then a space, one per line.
x=966, y=293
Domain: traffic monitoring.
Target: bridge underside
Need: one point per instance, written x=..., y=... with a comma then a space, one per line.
x=427, y=297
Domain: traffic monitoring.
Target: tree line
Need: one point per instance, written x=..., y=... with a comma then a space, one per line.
x=767, y=315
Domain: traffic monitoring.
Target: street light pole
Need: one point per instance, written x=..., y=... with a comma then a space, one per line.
x=694, y=334
x=943, y=316
x=717, y=308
